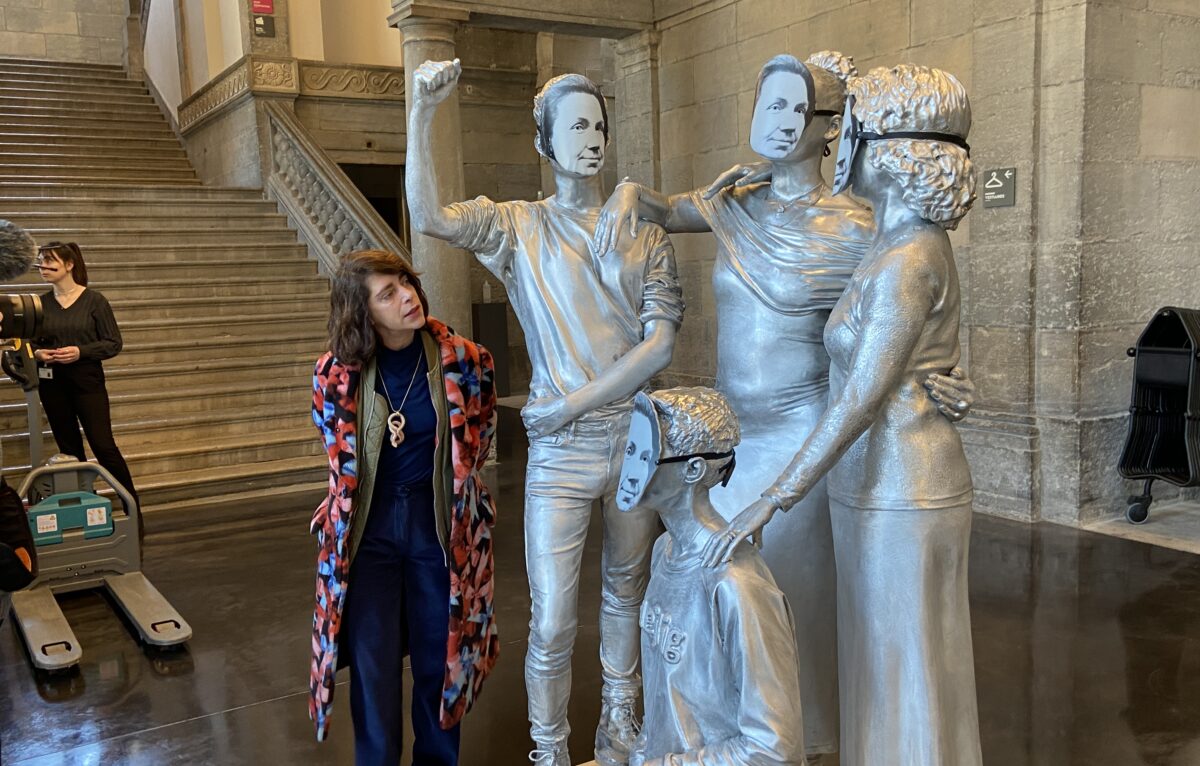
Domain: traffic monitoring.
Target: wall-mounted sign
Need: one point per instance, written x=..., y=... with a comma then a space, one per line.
x=264, y=26
x=1000, y=187
x=262, y=6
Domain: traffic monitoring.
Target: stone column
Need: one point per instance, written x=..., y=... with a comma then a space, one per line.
x=637, y=100
x=445, y=271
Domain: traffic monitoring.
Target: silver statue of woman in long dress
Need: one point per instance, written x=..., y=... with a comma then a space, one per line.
x=786, y=252
x=899, y=485
x=597, y=330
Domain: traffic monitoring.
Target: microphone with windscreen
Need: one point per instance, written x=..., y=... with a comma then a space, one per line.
x=20, y=313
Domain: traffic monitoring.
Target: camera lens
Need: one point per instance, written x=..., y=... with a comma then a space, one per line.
x=20, y=316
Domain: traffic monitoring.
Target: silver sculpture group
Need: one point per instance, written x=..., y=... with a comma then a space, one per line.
x=836, y=356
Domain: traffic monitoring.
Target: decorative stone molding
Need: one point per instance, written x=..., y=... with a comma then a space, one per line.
x=275, y=75
x=356, y=82
x=249, y=75
x=331, y=214
x=229, y=87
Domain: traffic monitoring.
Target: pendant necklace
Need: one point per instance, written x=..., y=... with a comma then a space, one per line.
x=395, y=421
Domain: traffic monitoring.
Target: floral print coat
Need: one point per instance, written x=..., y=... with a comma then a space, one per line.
x=470, y=407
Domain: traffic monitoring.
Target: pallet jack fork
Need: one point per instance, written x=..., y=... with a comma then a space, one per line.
x=79, y=562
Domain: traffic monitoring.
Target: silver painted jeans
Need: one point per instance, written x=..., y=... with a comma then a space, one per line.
x=568, y=471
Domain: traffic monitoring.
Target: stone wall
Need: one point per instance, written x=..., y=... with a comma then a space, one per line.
x=1096, y=104
x=91, y=31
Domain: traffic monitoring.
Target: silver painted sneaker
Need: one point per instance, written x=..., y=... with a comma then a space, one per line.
x=617, y=733
x=550, y=754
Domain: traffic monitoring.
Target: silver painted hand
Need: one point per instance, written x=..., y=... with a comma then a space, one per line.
x=620, y=210
x=546, y=415
x=954, y=393
x=740, y=175
x=749, y=522
x=434, y=81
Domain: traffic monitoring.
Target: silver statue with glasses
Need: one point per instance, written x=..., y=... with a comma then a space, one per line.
x=597, y=330
x=787, y=249
x=718, y=650
x=899, y=485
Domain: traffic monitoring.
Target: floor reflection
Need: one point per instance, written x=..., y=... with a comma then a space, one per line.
x=1087, y=652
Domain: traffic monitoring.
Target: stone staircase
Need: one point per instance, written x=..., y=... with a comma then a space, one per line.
x=221, y=310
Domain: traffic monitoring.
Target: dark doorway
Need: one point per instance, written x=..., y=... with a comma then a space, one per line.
x=383, y=186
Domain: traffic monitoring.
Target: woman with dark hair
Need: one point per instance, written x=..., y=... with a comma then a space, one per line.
x=79, y=332
x=406, y=410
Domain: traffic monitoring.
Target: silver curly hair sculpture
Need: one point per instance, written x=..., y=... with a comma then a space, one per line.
x=696, y=419
x=937, y=178
x=831, y=71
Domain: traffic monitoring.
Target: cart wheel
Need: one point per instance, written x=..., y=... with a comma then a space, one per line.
x=1138, y=512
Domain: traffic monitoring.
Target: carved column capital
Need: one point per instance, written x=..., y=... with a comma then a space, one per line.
x=426, y=21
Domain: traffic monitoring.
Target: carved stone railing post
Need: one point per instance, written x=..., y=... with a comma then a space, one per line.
x=331, y=214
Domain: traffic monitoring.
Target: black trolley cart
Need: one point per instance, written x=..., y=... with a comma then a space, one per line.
x=1164, y=410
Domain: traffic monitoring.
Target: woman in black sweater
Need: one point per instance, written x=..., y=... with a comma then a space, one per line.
x=78, y=333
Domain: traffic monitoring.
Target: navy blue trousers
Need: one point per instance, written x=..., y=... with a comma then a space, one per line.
x=397, y=603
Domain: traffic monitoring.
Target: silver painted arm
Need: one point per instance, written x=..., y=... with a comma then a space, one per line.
x=432, y=83
x=623, y=379
x=894, y=308
x=631, y=202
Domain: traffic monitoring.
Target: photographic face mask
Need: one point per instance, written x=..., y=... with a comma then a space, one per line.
x=642, y=451
x=781, y=113
x=847, y=148
x=577, y=134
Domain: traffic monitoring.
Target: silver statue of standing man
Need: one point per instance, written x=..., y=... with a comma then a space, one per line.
x=718, y=650
x=899, y=485
x=597, y=330
x=786, y=251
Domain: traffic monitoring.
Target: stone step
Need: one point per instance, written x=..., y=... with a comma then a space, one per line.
x=164, y=205
x=203, y=488
x=11, y=125
x=243, y=326
x=18, y=81
x=168, y=428
x=214, y=484
x=140, y=183
x=92, y=149
x=107, y=114
x=78, y=99
x=74, y=174
x=182, y=308
x=92, y=189
x=144, y=236
x=122, y=293
x=52, y=65
x=101, y=257
x=131, y=405
x=233, y=351
x=211, y=449
x=166, y=222
x=178, y=517
x=13, y=162
x=81, y=140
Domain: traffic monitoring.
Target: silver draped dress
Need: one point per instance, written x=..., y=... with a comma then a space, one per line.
x=780, y=269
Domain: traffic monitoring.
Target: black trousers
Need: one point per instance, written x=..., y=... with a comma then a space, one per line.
x=397, y=603
x=76, y=397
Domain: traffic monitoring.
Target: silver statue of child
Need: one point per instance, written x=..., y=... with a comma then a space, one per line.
x=786, y=251
x=899, y=485
x=718, y=650
x=597, y=330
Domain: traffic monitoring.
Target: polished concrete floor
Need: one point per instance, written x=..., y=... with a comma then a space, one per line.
x=1087, y=651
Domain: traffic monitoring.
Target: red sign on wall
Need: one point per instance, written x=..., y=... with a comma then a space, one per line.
x=262, y=6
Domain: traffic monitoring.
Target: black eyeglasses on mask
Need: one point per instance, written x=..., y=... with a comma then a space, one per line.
x=726, y=470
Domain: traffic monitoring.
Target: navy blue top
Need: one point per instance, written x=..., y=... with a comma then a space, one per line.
x=412, y=461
